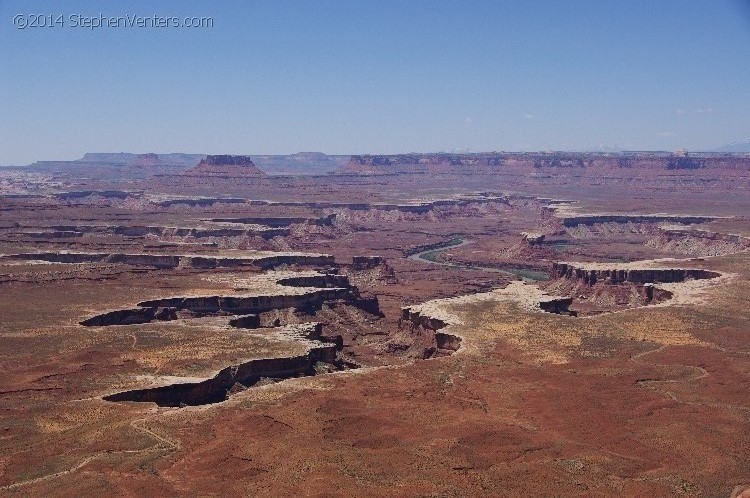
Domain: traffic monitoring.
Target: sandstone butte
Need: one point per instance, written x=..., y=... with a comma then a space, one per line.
x=226, y=166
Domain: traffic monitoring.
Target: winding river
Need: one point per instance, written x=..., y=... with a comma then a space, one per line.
x=431, y=256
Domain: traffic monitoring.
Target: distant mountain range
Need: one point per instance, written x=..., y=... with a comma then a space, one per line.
x=736, y=147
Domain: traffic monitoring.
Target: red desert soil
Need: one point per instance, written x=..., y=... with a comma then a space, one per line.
x=435, y=369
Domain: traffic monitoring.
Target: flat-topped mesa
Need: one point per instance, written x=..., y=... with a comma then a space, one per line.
x=226, y=166
x=489, y=162
x=592, y=219
x=367, y=165
x=148, y=159
x=226, y=160
x=591, y=273
x=419, y=163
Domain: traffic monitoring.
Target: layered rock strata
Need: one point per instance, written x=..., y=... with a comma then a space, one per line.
x=488, y=162
x=591, y=273
x=305, y=292
x=264, y=260
x=239, y=377
x=593, y=219
x=226, y=166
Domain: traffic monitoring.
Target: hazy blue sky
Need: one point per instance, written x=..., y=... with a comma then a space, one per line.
x=378, y=76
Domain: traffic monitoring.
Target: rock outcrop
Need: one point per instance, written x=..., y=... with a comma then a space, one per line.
x=367, y=262
x=148, y=160
x=207, y=230
x=532, y=238
x=238, y=304
x=308, y=292
x=198, y=232
x=416, y=207
x=419, y=163
x=591, y=273
x=557, y=305
x=198, y=201
x=433, y=324
x=694, y=242
x=592, y=219
x=264, y=260
x=236, y=378
x=108, y=194
x=226, y=166
x=428, y=333
x=280, y=221
x=537, y=161
x=131, y=317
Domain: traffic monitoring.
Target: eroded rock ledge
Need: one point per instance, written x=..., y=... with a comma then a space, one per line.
x=428, y=333
x=109, y=194
x=212, y=230
x=608, y=287
x=637, y=273
x=196, y=201
x=301, y=291
x=437, y=326
x=320, y=357
x=493, y=162
x=307, y=292
x=279, y=221
x=697, y=242
x=593, y=219
x=415, y=207
x=264, y=260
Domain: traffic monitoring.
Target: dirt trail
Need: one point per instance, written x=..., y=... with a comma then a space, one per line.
x=163, y=444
